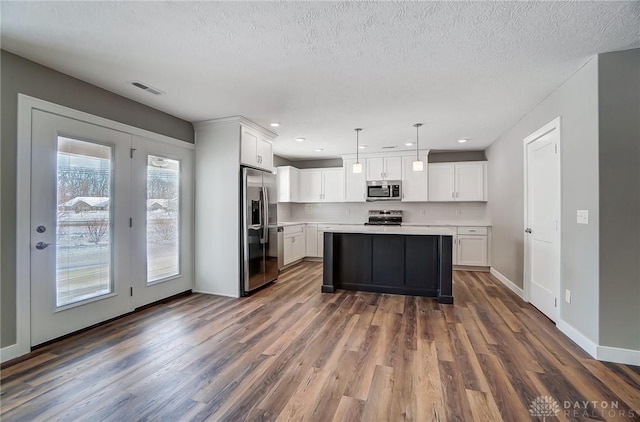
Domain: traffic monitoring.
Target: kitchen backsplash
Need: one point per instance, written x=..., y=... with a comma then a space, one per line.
x=424, y=212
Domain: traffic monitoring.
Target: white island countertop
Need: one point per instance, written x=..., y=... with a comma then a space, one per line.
x=415, y=230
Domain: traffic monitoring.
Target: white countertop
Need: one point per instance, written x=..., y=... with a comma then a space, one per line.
x=438, y=224
x=414, y=230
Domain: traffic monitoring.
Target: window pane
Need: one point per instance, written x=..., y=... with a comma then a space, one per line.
x=163, y=218
x=83, y=227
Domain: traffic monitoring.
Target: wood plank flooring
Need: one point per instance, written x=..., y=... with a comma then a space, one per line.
x=291, y=353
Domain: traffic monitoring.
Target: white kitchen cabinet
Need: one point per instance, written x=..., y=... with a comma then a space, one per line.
x=332, y=185
x=384, y=168
x=321, y=185
x=310, y=185
x=414, y=183
x=355, y=184
x=294, y=243
x=471, y=183
x=256, y=150
x=463, y=181
x=288, y=179
x=321, y=229
x=472, y=250
x=454, y=244
x=312, y=240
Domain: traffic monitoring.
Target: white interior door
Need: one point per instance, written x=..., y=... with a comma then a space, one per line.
x=162, y=224
x=542, y=220
x=80, y=209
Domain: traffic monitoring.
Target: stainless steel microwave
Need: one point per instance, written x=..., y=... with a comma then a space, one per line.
x=384, y=190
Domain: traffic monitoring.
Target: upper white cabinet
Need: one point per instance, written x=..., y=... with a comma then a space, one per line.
x=463, y=181
x=288, y=184
x=321, y=185
x=256, y=150
x=471, y=181
x=384, y=168
x=355, y=184
x=414, y=183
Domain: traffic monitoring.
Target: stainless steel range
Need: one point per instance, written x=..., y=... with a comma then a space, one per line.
x=384, y=218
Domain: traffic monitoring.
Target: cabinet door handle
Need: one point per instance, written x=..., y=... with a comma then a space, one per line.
x=453, y=194
x=457, y=194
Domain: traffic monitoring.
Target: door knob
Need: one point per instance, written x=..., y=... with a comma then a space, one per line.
x=528, y=230
x=42, y=245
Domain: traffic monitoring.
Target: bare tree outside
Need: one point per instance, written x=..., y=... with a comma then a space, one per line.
x=96, y=230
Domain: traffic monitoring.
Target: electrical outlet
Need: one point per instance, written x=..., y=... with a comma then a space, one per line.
x=423, y=211
x=567, y=295
x=582, y=216
x=458, y=213
x=348, y=211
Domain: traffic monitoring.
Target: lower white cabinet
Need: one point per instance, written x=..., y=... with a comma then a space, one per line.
x=312, y=240
x=472, y=247
x=294, y=243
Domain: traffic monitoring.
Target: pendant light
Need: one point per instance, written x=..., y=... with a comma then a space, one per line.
x=417, y=165
x=357, y=167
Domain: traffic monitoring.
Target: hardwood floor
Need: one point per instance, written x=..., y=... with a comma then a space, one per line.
x=292, y=353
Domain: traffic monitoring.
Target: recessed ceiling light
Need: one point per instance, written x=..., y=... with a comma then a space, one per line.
x=362, y=146
x=300, y=139
x=274, y=124
x=462, y=141
x=409, y=144
x=319, y=149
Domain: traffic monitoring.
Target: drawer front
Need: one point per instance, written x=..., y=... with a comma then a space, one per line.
x=472, y=230
x=298, y=228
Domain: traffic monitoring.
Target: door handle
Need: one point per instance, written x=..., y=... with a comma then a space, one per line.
x=527, y=230
x=43, y=245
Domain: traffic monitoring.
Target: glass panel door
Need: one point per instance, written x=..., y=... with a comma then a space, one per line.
x=163, y=218
x=80, y=240
x=83, y=221
x=162, y=225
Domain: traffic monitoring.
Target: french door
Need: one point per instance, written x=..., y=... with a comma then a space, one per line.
x=110, y=224
x=162, y=222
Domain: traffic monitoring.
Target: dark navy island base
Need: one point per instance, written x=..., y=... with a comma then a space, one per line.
x=408, y=264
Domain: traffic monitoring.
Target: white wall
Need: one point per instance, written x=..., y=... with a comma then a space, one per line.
x=576, y=102
x=425, y=212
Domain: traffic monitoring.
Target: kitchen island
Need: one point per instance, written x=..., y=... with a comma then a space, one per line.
x=401, y=260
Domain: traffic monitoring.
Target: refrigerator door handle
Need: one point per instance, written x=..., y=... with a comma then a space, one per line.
x=263, y=216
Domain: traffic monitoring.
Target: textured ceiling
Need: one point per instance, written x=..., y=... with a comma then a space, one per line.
x=466, y=70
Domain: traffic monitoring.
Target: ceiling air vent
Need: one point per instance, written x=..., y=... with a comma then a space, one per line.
x=389, y=147
x=149, y=89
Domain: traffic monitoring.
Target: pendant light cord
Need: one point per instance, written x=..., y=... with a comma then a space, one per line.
x=417, y=126
x=358, y=144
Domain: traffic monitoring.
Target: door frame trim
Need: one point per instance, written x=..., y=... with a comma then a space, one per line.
x=26, y=104
x=554, y=125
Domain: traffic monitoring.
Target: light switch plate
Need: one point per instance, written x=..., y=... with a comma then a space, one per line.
x=567, y=295
x=583, y=217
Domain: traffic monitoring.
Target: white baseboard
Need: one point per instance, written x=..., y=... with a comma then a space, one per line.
x=10, y=352
x=215, y=293
x=586, y=344
x=510, y=284
x=617, y=355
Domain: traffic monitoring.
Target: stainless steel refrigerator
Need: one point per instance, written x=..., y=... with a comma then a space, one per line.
x=259, y=229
